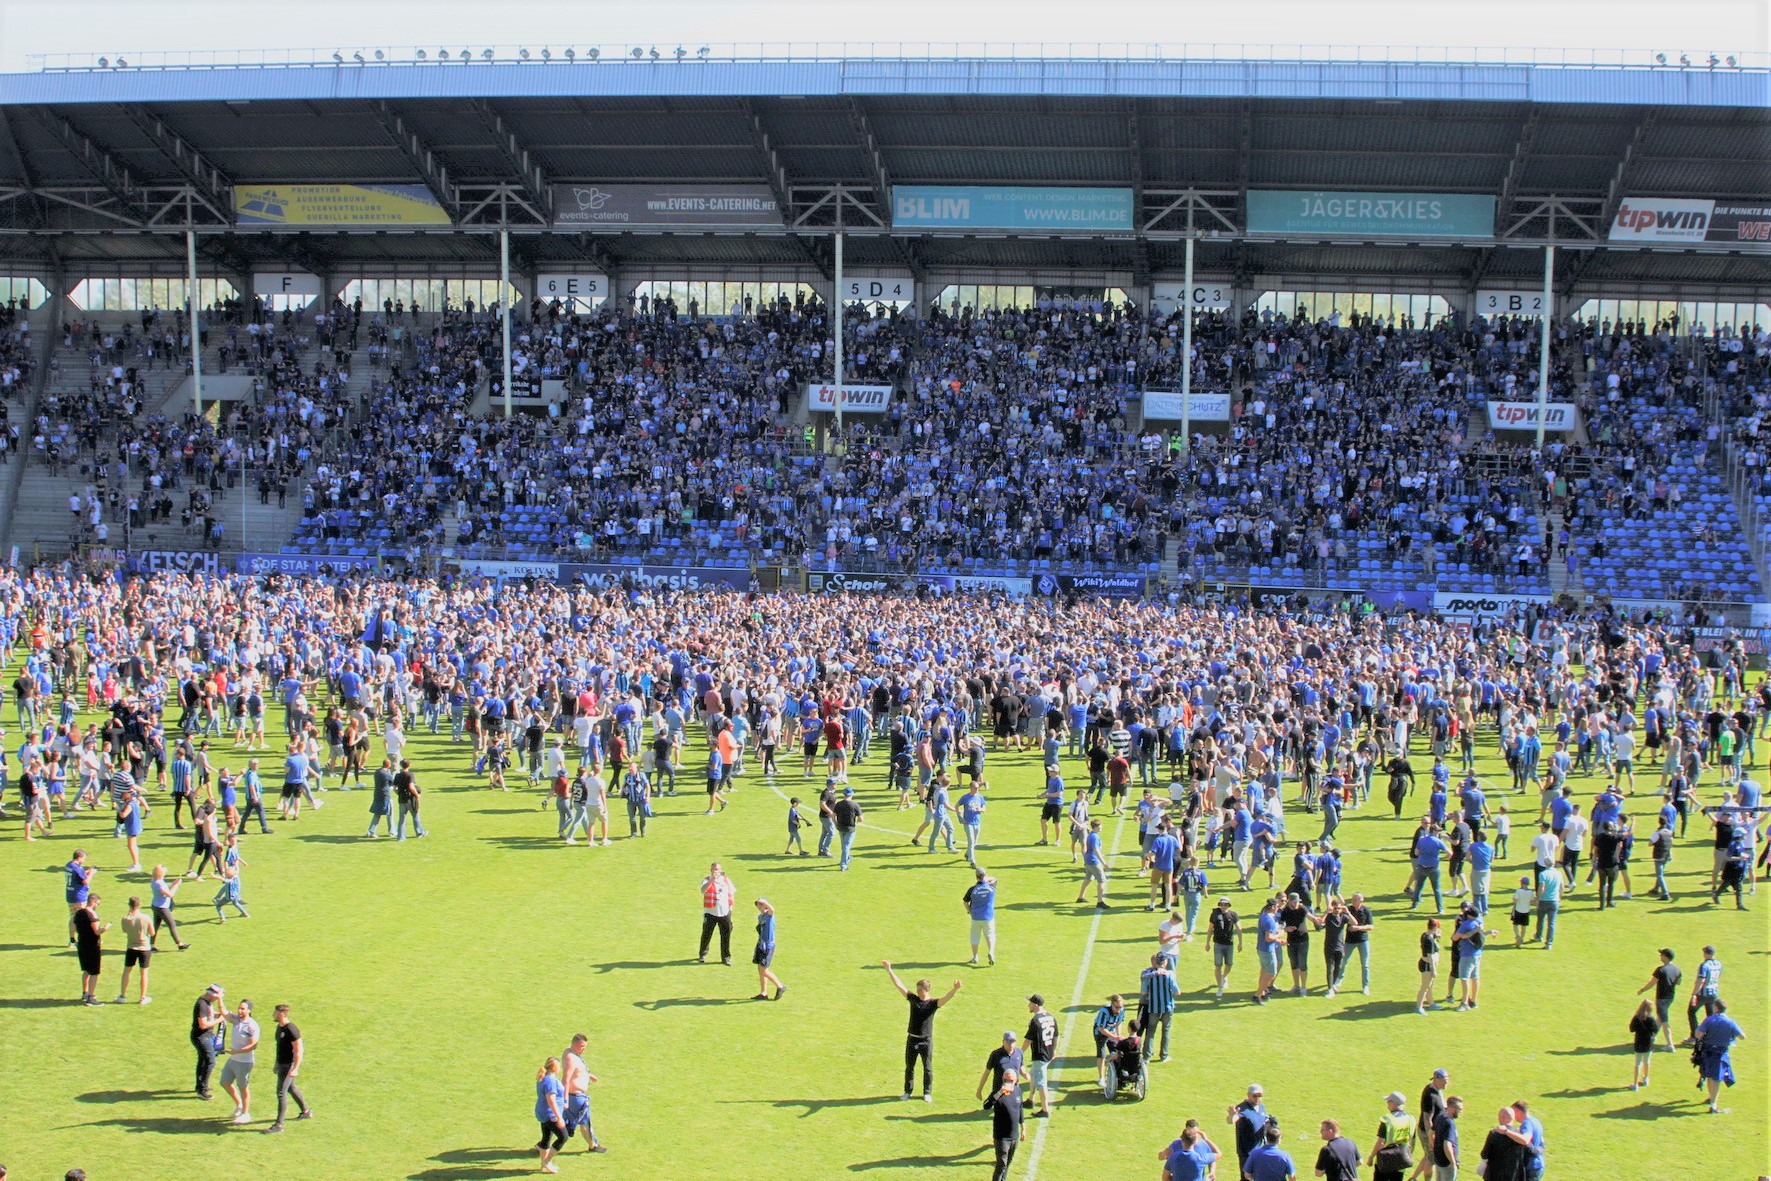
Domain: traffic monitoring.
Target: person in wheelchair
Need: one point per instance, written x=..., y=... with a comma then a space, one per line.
x=1125, y=1066
x=1109, y=1024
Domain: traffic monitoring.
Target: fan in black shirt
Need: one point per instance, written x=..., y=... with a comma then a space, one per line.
x=919, y=1040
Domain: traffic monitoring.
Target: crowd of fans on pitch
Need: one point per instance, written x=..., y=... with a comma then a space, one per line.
x=1009, y=437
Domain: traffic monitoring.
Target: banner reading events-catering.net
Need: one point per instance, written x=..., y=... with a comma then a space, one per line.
x=681, y=206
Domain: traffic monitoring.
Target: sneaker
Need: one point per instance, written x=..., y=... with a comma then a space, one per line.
x=781, y=992
x=905, y=1095
x=121, y=1000
x=571, y=841
x=146, y=1000
x=991, y=956
x=927, y=1098
x=275, y=1128
x=244, y=1117
x=307, y=1114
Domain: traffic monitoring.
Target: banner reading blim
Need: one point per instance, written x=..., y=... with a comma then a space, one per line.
x=337, y=205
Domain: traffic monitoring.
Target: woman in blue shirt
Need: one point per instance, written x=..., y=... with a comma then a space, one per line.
x=764, y=955
x=550, y=1100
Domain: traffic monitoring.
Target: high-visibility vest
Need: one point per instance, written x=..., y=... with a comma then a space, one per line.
x=1398, y=1127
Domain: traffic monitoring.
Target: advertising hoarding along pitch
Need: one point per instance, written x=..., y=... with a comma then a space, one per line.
x=337, y=205
x=1522, y=416
x=1011, y=208
x=1370, y=215
x=693, y=206
x=856, y=399
x=1682, y=219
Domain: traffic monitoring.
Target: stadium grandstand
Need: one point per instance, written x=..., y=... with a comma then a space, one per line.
x=1128, y=320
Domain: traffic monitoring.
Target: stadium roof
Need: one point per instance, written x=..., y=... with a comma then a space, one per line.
x=102, y=164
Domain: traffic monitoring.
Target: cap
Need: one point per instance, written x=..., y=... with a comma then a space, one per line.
x=1255, y=1089
x=1441, y=1073
x=216, y=989
x=848, y=791
x=1223, y=902
x=1394, y=1097
x=1035, y=999
x=830, y=781
x=1008, y=1035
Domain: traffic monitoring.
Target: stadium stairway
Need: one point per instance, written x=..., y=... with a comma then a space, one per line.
x=46, y=328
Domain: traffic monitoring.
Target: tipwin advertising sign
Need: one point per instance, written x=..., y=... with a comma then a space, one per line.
x=1522, y=416
x=856, y=399
x=1679, y=219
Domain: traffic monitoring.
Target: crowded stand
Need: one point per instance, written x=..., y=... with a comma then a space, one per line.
x=16, y=367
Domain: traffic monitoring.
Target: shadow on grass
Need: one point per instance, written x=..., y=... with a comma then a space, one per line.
x=477, y=1164
x=1583, y=1092
x=1371, y=1009
x=37, y=1002
x=940, y=1117
x=1596, y=1050
x=126, y=1096
x=170, y=1125
x=329, y=838
x=675, y=1002
x=636, y=965
x=1650, y=1111
x=814, y=1106
x=32, y=946
x=920, y=1162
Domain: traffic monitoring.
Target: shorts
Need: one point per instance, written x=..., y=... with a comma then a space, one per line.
x=291, y=790
x=138, y=957
x=1469, y=966
x=1096, y=873
x=983, y=930
x=1299, y=955
x=236, y=1072
x=763, y=956
x=1521, y=919
x=1039, y=1069
x=1270, y=956
x=1223, y=955
x=1051, y=812
x=1625, y=765
x=811, y=749
x=576, y=1113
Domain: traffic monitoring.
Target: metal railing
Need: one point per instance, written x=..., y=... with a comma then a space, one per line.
x=666, y=53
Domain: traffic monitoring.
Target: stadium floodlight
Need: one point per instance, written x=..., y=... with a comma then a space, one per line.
x=1714, y=61
x=522, y=55
x=121, y=64
x=546, y=54
x=593, y=53
x=421, y=55
x=466, y=54
x=1660, y=58
x=1684, y=59
x=571, y=54
x=703, y=52
x=380, y=56
x=338, y=57
x=104, y=63
x=1732, y=61
x=359, y=56
x=655, y=54
x=679, y=53
x=486, y=53
x=638, y=53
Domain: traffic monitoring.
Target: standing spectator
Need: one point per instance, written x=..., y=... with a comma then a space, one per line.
x=1664, y=980
x=1505, y=1152
x=163, y=890
x=1706, y=991
x=88, y=937
x=1359, y=938
x=718, y=895
x=1226, y=941
x=1532, y=1129
x=919, y=1041
x=1643, y=1028
x=1189, y=1158
x=406, y=796
x=846, y=815
x=1007, y=1123
x=1007, y=1060
x=1270, y=1162
x=1524, y=903
x=381, y=801
x=1549, y=905
x=207, y=1026
x=1714, y=1037
x=1445, y=1147
x=1432, y=1106
x=288, y=1066
x=1249, y=1119
x=550, y=1113
x=1042, y=1047
x=1338, y=1158
x=980, y=903
x=138, y=949
x=78, y=878
x=1156, y=1004
x=236, y=1073
x=1094, y=867
x=764, y=956
x=575, y=1078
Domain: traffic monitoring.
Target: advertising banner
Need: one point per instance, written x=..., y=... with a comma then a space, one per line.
x=607, y=575
x=1166, y=406
x=302, y=563
x=837, y=582
x=856, y=399
x=337, y=205
x=1686, y=219
x=681, y=206
x=1710, y=639
x=502, y=570
x=1469, y=605
x=1383, y=215
x=1509, y=303
x=580, y=287
x=1010, y=208
x=178, y=561
x=1107, y=586
x=982, y=582
x=1170, y=296
x=1522, y=416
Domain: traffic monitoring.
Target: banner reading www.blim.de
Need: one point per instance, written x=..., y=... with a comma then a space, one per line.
x=1010, y=208
x=337, y=205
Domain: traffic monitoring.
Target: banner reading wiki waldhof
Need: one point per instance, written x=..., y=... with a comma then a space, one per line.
x=1373, y=215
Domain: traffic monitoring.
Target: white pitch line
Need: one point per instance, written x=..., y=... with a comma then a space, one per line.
x=1088, y=954
x=864, y=824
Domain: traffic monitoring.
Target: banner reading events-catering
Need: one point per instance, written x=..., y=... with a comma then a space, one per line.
x=337, y=205
x=1387, y=215
x=1010, y=208
x=856, y=399
x=1681, y=219
x=694, y=206
x=1522, y=416
x=1166, y=406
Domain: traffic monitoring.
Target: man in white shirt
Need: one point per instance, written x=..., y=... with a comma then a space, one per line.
x=1574, y=841
x=236, y=1075
x=1543, y=849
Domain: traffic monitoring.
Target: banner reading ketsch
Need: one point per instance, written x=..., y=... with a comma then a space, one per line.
x=1682, y=219
x=178, y=561
x=678, y=206
x=1522, y=416
x=302, y=564
x=1371, y=215
x=337, y=205
x=611, y=575
x=1011, y=208
x=1106, y=586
